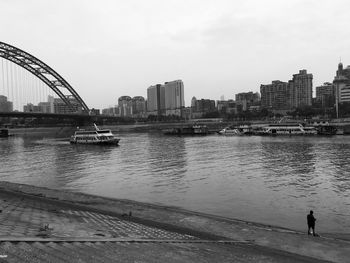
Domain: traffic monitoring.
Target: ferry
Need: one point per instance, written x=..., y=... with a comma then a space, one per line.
x=97, y=136
x=287, y=129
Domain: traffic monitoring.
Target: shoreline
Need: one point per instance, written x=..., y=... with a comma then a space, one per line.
x=328, y=247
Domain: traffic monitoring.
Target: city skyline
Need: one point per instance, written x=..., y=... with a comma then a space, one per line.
x=220, y=48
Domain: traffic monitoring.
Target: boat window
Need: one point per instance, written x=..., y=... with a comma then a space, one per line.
x=104, y=131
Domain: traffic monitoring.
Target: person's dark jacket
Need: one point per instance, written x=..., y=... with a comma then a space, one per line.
x=311, y=220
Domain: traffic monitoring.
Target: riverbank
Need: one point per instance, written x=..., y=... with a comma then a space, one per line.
x=257, y=238
x=141, y=127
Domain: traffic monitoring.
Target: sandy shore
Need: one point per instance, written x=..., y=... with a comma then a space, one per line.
x=331, y=248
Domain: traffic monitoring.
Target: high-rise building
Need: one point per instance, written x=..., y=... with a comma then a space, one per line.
x=325, y=95
x=226, y=106
x=205, y=105
x=5, y=105
x=276, y=96
x=111, y=111
x=247, y=99
x=342, y=84
x=125, y=106
x=60, y=106
x=193, y=102
x=47, y=107
x=301, y=89
x=138, y=106
x=156, y=100
x=167, y=99
x=284, y=96
x=174, y=94
x=174, y=97
x=30, y=107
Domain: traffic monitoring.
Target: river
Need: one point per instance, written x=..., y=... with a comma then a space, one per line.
x=270, y=180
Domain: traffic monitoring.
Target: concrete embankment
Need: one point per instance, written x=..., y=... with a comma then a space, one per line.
x=253, y=242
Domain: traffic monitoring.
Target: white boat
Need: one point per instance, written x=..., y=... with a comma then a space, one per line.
x=239, y=130
x=97, y=136
x=287, y=129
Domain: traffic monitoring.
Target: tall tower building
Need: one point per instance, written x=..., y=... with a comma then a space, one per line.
x=138, y=105
x=325, y=94
x=342, y=84
x=156, y=100
x=288, y=95
x=301, y=87
x=193, y=102
x=174, y=97
x=167, y=99
x=125, y=106
x=247, y=99
x=276, y=96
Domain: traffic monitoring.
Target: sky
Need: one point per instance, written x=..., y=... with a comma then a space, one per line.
x=110, y=48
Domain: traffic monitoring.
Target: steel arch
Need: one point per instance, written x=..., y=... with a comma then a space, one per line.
x=41, y=70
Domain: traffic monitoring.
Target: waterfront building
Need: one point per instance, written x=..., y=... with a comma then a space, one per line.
x=282, y=96
x=301, y=89
x=95, y=112
x=111, y=111
x=227, y=106
x=60, y=106
x=186, y=113
x=125, y=106
x=174, y=97
x=5, y=105
x=325, y=95
x=47, y=107
x=166, y=99
x=276, y=96
x=342, y=84
x=156, y=100
x=138, y=104
x=193, y=102
x=247, y=99
x=202, y=107
x=30, y=107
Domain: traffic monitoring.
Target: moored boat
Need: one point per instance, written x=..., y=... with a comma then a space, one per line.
x=237, y=130
x=97, y=136
x=4, y=133
x=191, y=130
x=287, y=129
x=327, y=130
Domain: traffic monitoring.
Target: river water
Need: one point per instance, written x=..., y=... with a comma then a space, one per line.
x=271, y=180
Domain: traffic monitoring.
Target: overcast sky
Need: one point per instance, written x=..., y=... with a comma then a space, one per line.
x=109, y=48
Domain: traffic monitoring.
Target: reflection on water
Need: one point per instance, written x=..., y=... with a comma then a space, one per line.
x=271, y=180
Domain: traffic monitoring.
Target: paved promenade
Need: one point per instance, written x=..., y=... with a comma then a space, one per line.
x=43, y=225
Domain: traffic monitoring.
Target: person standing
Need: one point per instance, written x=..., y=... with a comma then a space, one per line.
x=311, y=223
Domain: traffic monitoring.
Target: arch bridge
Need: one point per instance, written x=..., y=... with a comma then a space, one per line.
x=43, y=72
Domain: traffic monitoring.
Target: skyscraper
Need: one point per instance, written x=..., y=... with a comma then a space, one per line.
x=301, y=89
x=167, y=99
x=342, y=84
x=138, y=106
x=325, y=94
x=275, y=96
x=125, y=106
x=285, y=96
x=156, y=100
x=174, y=97
x=247, y=99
